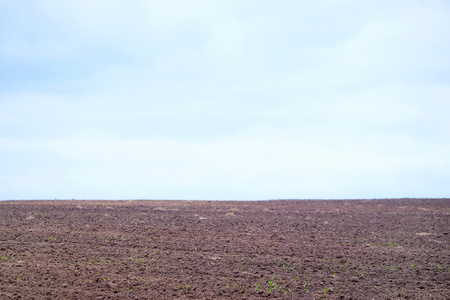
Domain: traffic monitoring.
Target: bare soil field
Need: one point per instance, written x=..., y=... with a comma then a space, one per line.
x=287, y=249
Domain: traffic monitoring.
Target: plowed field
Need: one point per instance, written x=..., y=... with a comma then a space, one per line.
x=358, y=249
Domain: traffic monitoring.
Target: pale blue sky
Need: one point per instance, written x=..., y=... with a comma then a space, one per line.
x=224, y=99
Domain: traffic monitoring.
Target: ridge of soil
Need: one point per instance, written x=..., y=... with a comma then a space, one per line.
x=287, y=249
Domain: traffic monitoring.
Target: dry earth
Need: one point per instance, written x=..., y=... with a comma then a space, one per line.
x=358, y=249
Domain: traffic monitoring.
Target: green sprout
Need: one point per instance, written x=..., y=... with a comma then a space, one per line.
x=139, y=260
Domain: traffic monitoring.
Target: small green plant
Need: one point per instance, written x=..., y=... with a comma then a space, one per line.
x=273, y=285
x=18, y=278
x=186, y=287
x=388, y=267
x=305, y=286
x=3, y=257
x=52, y=238
x=139, y=261
x=257, y=286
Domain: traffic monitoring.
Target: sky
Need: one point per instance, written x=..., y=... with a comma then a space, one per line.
x=224, y=100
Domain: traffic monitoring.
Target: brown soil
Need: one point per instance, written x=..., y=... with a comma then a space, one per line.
x=368, y=249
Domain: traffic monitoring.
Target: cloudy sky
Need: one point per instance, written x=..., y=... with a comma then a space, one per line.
x=201, y=99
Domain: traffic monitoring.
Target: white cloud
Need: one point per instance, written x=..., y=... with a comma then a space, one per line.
x=224, y=99
x=259, y=164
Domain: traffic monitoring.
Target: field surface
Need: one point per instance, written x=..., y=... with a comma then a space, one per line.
x=358, y=249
